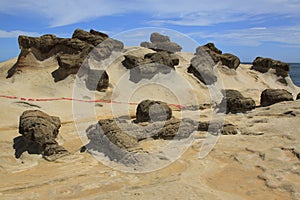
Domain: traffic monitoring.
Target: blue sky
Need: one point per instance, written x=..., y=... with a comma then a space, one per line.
x=268, y=28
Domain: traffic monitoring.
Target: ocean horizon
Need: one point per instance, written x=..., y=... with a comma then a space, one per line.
x=295, y=73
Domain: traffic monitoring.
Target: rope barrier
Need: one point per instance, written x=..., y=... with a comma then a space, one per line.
x=78, y=100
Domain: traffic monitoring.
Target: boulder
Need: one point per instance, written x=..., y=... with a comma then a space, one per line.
x=93, y=37
x=161, y=43
x=149, y=110
x=209, y=47
x=230, y=60
x=234, y=102
x=272, y=96
x=298, y=96
x=227, y=59
x=41, y=130
x=202, y=68
x=158, y=38
x=263, y=65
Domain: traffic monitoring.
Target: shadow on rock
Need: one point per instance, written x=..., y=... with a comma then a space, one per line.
x=22, y=145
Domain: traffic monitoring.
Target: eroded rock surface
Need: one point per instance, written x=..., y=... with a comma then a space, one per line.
x=149, y=110
x=161, y=43
x=234, y=102
x=69, y=52
x=119, y=140
x=40, y=130
x=272, y=96
x=151, y=64
x=202, y=67
x=227, y=59
x=215, y=127
x=263, y=65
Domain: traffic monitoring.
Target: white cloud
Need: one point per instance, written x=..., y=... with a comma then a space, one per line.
x=287, y=35
x=16, y=33
x=189, y=12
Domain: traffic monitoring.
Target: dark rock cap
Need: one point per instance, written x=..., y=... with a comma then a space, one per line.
x=227, y=59
x=272, y=96
x=149, y=110
x=202, y=68
x=70, y=52
x=264, y=64
x=234, y=102
x=161, y=42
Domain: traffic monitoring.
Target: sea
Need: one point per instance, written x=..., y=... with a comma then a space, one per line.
x=295, y=73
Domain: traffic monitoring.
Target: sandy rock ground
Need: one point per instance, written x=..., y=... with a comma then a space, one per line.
x=261, y=162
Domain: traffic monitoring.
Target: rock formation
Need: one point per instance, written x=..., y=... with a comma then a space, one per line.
x=234, y=102
x=40, y=129
x=227, y=59
x=215, y=127
x=97, y=80
x=272, y=96
x=298, y=96
x=162, y=58
x=263, y=65
x=70, y=52
x=161, y=43
x=151, y=64
x=149, y=110
x=119, y=140
x=202, y=67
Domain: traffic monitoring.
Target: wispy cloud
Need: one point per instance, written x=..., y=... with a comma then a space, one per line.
x=255, y=36
x=184, y=13
x=16, y=33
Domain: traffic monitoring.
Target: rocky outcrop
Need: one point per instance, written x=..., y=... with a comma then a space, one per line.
x=97, y=80
x=202, y=67
x=263, y=65
x=161, y=43
x=272, y=96
x=70, y=52
x=149, y=110
x=119, y=140
x=162, y=58
x=93, y=37
x=234, y=102
x=107, y=137
x=151, y=64
x=230, y=60
x=216, y=127
x=227, y=59
x=40, y=129
x=298, y=96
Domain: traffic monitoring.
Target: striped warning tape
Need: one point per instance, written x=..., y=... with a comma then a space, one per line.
x=79, y=100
